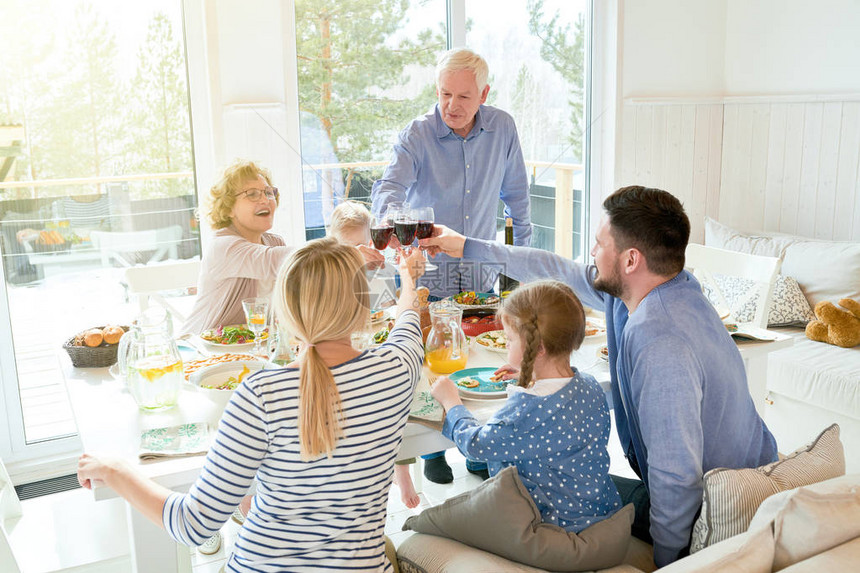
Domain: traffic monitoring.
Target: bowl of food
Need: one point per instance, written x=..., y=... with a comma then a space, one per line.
x=218, y=381
x=479, y=321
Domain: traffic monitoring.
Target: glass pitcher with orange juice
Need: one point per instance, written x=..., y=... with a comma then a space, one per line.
x=150, y=362
x=446, y=349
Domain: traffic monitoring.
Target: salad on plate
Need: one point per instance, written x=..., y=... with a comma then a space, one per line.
x=233, y=334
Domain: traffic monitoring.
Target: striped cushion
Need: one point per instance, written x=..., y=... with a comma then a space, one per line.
x=731, y=497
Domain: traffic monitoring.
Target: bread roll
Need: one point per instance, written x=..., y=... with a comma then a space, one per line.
x=93, y=337
x=112, y=334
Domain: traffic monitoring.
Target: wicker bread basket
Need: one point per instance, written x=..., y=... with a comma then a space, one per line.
x=100, y=356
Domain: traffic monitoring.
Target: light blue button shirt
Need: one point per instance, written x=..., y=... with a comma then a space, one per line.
x=462, y=179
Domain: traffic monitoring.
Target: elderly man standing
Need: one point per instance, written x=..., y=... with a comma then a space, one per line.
x=458, y=159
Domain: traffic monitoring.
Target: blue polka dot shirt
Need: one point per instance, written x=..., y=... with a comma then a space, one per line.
x=558, y=445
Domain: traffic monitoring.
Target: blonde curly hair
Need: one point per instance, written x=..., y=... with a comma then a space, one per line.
x=223, y=194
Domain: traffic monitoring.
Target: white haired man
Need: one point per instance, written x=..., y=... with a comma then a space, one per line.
x=459, y=158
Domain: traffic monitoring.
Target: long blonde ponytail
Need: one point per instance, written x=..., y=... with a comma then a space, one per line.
x=321, y=294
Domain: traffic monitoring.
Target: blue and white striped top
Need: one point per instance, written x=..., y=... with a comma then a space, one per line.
x=326, y=514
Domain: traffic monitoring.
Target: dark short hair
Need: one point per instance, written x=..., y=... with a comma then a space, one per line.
x=652, y=221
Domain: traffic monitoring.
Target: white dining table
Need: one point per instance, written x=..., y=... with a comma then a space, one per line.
x=110, y=423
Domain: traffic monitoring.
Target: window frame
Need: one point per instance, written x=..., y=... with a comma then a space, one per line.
x=206, y=70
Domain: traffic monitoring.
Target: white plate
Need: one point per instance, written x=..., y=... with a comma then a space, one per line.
x=483, y=336
x=595, y=323
x=228, y=347
x=604, y=357
x=218, y=347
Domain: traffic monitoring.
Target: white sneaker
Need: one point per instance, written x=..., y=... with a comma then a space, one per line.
x=238, y=517
x=211, y=545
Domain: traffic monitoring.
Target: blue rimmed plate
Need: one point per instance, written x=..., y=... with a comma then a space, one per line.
x=486, y=388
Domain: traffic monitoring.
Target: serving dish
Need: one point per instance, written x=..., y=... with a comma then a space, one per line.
x=471, y=299
x=479, y=320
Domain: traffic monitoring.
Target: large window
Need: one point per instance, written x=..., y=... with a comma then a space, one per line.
x=365, y=69
x=96, y=174
x=536, y=53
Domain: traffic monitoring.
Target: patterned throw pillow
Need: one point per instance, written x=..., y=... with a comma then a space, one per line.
x=788, y=306
x=732, y=497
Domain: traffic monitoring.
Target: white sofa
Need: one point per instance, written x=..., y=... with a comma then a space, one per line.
x=804, y=530
x=811, y=384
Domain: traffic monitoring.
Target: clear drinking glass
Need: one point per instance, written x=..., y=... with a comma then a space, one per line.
x=256, y=316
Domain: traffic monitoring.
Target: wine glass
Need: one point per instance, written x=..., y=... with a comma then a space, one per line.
x=405, y=227
x=256, y=316
x=381, y=230
x=425, y=217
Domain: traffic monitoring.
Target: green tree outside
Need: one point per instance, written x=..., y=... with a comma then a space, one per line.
x=565, y=52
x=348, y=69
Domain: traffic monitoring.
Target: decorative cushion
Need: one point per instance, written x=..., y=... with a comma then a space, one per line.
x=420, y=553
x=731, y=497
x=833, y=506
x=499, y=516
x=825, y=270
x=788, y=306
x=752, y=553
x=754, y=243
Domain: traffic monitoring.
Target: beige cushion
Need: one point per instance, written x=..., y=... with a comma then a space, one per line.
x=812, y=519
x=731, y=497
x=825, y=270
x=421, y=553
x=750, y=553
x=843, y=557
x=500, y=516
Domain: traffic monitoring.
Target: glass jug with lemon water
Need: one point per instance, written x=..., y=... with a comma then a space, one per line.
x=446, y=349
x=149, y=360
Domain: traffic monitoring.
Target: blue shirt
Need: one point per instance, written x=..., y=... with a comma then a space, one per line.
x=462, y=179
x=682, y=404
x=558, y=445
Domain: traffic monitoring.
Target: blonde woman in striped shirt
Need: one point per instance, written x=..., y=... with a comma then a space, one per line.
x=321, y=437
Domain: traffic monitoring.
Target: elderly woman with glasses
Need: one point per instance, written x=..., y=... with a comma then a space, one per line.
x=243, y=257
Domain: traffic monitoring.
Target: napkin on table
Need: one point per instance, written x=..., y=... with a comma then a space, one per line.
x=174, y=442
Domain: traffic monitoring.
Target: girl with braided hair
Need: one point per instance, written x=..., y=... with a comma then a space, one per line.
x=555, y=425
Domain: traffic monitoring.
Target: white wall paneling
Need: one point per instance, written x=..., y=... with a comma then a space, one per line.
x=787, y=164
x=675, y=147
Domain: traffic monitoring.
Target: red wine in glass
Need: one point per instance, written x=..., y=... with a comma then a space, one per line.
x=405, y=230
x=381, y=236
x=425, y=230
